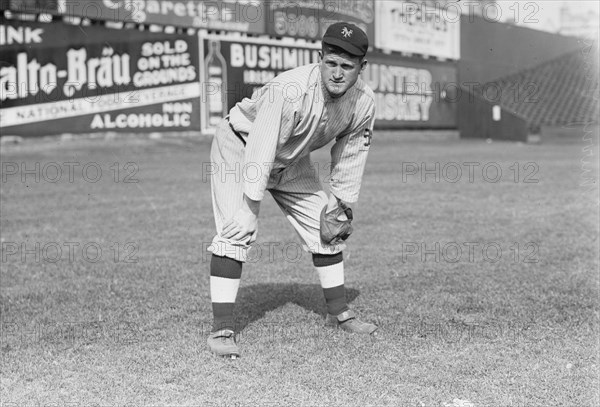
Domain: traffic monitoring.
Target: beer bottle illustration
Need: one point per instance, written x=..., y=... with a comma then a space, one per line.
x=215, y=84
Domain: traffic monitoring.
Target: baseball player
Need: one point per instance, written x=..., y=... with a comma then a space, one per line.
x=264, y=145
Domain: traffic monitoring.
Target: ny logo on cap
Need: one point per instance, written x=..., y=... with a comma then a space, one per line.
x=346, y=32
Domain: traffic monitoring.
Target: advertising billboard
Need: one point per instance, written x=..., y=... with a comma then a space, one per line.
x=413, y=27
x=408, y=93
x=412, y=93
x=309, y=19
x=232, y=69
x=57, y=78
x=231, y=15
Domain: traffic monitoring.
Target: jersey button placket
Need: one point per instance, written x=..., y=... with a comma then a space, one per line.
x=322, y=124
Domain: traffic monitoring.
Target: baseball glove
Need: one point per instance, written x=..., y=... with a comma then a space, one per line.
x=336, y=228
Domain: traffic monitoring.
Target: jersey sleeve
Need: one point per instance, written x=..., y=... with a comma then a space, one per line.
x=348, y=159
x=262, y=143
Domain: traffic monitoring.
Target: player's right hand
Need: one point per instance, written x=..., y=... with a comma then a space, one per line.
x=244, y=224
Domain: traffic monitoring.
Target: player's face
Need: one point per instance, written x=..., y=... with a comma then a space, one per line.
x=340, y=72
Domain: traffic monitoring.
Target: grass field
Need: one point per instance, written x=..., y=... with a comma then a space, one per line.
x=485, y=289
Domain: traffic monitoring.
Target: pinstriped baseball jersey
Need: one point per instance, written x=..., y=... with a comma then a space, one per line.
x=290, y=117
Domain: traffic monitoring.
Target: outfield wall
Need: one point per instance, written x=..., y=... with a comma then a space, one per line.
x=57, y=77
x=421, y=59
x=408, y=91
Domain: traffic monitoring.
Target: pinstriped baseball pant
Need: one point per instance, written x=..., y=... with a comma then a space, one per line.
x=296, y=189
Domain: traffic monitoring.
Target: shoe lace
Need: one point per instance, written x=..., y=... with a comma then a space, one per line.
x=228, y=337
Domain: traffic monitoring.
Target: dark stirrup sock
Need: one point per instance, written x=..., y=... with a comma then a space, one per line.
x=225, y=277
x=331, y=273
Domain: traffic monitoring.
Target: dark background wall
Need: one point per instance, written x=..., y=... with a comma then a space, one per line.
x=475, y=121
x=491, y=50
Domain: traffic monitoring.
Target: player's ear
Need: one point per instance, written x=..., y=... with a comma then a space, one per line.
x=320, y=56
x=363, y=65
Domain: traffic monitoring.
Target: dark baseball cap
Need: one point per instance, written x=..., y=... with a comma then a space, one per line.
x=348, y=37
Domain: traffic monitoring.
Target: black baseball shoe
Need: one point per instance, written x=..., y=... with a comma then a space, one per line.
x=223, y=343
x=348, y=321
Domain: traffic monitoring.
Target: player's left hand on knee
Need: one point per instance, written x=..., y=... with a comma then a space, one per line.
x=336, y=224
